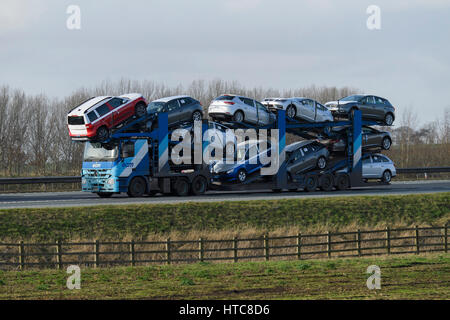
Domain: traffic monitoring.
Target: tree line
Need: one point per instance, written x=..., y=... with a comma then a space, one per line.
x=34, y=139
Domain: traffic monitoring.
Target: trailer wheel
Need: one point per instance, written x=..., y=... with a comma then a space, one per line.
x=104, y=194
x=199, y=185
x=137, y=187
x=311, y=183
x=181, y=187
x=326, y=182
x=342, y=182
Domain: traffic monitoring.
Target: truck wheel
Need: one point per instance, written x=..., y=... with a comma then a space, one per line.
x=137, y=187
x=342, y=182
x=326, y=182
x=104, y=194
x=181, y=187
x=199, y=185
x=311, y=183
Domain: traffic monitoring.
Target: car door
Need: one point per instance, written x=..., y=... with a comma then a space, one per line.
x=309, y=109
x=321, y=113
x=185, y=111
x=367, y=106
x=377, y=167
x=366, y=166
x=297, y=163
x=379, y=108
x=119, y=114
x=250, y=112
x=173, y=110
x=373, y=137
x=105, y=115
x=309, y=158
x=253, y=162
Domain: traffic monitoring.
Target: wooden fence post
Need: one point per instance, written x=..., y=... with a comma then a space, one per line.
x=200, y=250
x=168, y=251
x=59, y=254
x=132, y=257
x=235, y=249
x=328, y=244
x=358, y=242
x=446, y=237
x=417, y=240
x=388, y=240
x=21, y=255
x=266, y=246
x=299, y=245
x=97, y=253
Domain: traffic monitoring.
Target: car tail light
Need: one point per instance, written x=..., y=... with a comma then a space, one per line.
x=228, y=102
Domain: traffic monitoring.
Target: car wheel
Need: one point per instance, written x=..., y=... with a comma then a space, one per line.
x=102, y=133
x=342, y=182
x=137, y=187
x=238, y=116
x=321, y=163
x=388, y=119
x=197, y=116
x=387, y=176
x=104, y=194
x=181, y=187
x=242, y=175
x=386, y=144
x=199, y=185
x=291, y=112
x=326, y=182
x=311, y=183
x=140, y=110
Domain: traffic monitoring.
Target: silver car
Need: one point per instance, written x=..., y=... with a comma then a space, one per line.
x=303, y=108
x=240, y=109
x=377, y=166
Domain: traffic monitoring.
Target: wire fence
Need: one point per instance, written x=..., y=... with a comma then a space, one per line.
x=357, y=243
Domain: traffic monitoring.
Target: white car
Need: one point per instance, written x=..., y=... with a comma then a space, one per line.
x=377, y=166
x=240, y=109
x=304, y=108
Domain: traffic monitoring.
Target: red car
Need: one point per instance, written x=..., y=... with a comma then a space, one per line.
x=96, y=116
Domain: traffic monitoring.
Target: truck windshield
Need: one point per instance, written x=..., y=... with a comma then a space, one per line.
x=155, y=106
x=99, y=152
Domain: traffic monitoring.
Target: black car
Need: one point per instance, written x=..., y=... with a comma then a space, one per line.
x=303, y=156
x=371, y=107
x=371, y=139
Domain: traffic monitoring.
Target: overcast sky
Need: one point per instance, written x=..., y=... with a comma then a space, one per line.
x=278, y=44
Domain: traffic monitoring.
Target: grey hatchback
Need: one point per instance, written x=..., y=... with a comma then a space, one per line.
x=371, y=107
x=303, y=156
x=179, y=109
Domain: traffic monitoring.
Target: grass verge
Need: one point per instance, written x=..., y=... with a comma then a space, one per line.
x=407, y=277
x=139, y=221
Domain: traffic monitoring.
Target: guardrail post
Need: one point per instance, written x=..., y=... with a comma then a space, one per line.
x=200, y=249
x=358, y=242
x=388, y=240
x=417, y=240
x=97, y=253
x=168, y=257
x=235, y=249
x=446, y=238
x=132, y=257
x=59, y=254
x=299, y=245
x=328, y=244
x=21, y=255
x=266, y=246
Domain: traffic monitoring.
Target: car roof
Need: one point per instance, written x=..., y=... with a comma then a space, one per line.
x=167, y=99
x=86, y=105
x=297, y=145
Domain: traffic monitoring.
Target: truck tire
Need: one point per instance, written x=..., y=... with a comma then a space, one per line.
x=181, y=187
x=137, y=187
x=199, y=185
x=326, y=182
x=342, y=182
x=310, y=183
x=104, y=194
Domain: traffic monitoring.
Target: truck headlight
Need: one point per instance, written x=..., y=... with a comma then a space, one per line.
x=110, y=181
x=83, y=181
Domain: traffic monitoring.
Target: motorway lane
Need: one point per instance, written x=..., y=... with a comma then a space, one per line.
x=71, y=199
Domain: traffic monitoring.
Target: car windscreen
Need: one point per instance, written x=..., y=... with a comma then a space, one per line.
x=100, y=152
x=75, y=120
x=155, y=106
x=354, y=97
x=225, y=98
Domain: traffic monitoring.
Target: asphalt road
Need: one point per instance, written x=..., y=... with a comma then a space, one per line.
x=71, y=199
